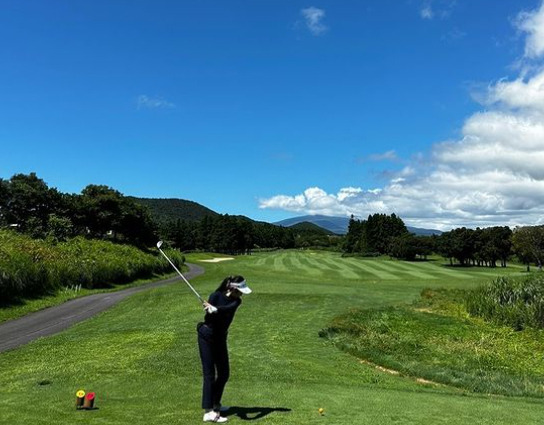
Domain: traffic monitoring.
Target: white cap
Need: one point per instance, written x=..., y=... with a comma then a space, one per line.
x=241, y=286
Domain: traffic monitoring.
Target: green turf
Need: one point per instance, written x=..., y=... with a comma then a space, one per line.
x=141, y=356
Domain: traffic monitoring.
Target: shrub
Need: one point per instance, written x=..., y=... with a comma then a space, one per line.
x=31, y=268
x=518, y=303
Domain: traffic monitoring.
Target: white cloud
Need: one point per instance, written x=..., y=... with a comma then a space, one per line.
x=426, y=12
x=520, y=93
x=313, y=17
x=315, y=200
x=436, y=8
x=495, y=140
x=146, y=102
x=347, y=193
x=533, y=24
x=492, y=175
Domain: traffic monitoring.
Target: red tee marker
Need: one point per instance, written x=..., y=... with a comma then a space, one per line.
x=89, y=401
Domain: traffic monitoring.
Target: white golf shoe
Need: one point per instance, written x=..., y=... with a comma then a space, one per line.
x=214, y=417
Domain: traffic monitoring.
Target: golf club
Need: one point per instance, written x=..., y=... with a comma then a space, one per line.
x=159, y=244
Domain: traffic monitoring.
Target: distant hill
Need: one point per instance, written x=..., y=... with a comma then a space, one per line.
x=307, y=227
x=167, y=210
x=423, y=232
x=339, y=225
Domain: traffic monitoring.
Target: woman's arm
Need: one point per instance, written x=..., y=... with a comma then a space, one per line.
x=230, y=306
x=214, y=300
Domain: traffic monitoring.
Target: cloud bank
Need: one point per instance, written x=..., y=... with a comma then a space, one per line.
x=492, y=175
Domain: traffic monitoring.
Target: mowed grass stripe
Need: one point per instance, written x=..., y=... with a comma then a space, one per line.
x=367, y=266
x=262, y=260
x=438, y=268
x=317, y=263
x=391, y=267
x=302, y=266
x=269, y=263
x=288, y=261
x=311, y=267
x=463, y=272
x=409, y=269
x=343, y=268
x=492, y=273
x=279, y=263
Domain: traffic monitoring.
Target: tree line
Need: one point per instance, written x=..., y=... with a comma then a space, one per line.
x=226, y=234
x=29, y=206
x=239, y=235
x=382, y=234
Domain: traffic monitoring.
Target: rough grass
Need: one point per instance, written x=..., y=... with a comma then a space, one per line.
x=518, y=303
x=141, y=357
x=436, y=339
x=31, y=268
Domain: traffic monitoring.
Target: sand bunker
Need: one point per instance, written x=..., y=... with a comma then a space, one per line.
x=217, y=260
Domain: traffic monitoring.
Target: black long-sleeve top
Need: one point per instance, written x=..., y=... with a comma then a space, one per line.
x=226, y=307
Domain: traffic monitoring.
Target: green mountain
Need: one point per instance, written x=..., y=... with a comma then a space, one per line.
x=337, y=225
x=168, y=210
x=310, y=228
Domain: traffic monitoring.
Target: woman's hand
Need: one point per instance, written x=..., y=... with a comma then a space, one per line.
x=209, y=308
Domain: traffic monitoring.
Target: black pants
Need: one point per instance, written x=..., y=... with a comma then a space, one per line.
x=215, y=365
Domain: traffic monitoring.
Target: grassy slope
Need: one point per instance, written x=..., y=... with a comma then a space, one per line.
x=463, y=352
x=142, y=361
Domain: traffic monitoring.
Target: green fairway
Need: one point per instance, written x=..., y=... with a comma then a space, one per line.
x=141, y=357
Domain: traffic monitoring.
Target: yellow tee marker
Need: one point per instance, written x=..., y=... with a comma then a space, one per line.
x=80, y=398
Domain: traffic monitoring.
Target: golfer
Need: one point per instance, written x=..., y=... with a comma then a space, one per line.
x=212, y=343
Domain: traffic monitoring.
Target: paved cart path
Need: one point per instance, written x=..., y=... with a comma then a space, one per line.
x=49, y=321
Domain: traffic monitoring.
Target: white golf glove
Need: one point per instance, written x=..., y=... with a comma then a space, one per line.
x=210, y=309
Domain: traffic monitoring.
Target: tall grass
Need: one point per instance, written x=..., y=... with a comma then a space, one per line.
x=518, y=303
x=30, y=268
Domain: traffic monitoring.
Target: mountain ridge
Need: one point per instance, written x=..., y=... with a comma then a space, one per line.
x=165, y=210
x=339, y=225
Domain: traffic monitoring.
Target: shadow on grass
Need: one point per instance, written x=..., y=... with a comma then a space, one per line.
x=252, y=413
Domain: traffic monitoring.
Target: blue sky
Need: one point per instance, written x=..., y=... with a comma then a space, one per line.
x=273, y=109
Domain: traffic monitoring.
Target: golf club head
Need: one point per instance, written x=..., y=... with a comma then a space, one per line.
x=159, y=244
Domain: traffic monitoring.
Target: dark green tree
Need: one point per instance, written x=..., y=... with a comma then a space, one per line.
x=528, y=245
x=374, y=235
x=105, y=213
x=403, y=247
x=28, y=202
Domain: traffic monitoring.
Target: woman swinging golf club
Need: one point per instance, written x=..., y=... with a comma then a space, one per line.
x=212, y=343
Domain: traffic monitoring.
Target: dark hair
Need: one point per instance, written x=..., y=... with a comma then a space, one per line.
x=225, y=284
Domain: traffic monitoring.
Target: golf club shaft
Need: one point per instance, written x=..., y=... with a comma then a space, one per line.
x=183, y=277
